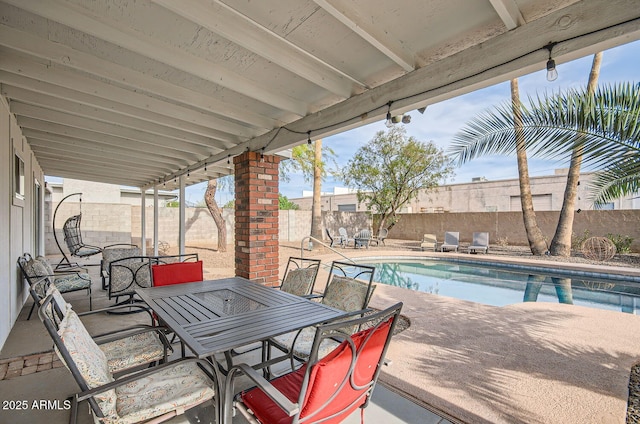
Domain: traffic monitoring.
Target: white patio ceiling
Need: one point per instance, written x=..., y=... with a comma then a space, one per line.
x=139, y=92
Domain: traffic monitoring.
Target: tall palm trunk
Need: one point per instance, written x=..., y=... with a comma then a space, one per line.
x=316, y=208
x=216, y=214
x=537, y=243
x=561, y=243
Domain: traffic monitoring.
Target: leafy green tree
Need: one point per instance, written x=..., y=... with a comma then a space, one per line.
x=286, y=204
x=605, y=125
x=391, y=169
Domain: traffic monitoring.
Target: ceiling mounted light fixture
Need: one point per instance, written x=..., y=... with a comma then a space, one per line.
x=309, y=137
x=552, y=73
x=389, y=122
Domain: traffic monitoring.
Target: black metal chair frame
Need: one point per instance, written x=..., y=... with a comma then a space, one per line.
x=363, y=273
x=146, y=263
x=45, y=280
x=72, y=237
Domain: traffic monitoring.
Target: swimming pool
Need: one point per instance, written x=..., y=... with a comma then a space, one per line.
x=500, y=285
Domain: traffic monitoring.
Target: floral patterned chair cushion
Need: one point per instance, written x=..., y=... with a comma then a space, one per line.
x=347, y=294
x=114, y=253
x=122, y=354
x=72, y=282
x=304, y=342
x=46, y=264
x=299, y=281
x=127, y=275
x=132, y=351
x=36, y=272
x=178, y=387
x=88, y=358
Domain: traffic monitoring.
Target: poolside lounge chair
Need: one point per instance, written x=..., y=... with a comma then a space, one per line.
x=362, y=239
x=479, y=243
x=429, y=242
x=382, y=236
x=451, y=241
x=344, y=237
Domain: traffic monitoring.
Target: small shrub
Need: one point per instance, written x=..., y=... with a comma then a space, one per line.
x=576, y=240
x=503, y=242
x=622, y=243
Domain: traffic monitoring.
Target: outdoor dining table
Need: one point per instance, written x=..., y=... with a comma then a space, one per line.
x=216, y=316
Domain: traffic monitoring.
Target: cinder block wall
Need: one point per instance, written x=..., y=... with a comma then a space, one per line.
x=104, y=224
x=101, y=224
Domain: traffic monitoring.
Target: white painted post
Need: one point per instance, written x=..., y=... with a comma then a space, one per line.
x=181, y=231
x=155, y=220
x=143, y=220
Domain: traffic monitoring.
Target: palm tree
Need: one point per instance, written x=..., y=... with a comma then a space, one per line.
x=535, y=237
x=311, y=159
x=606, y=124
x=561, y=242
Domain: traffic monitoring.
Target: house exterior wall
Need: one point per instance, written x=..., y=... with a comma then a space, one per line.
x=17, y=218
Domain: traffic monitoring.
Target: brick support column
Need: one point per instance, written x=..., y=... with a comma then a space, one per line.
x=257, y=217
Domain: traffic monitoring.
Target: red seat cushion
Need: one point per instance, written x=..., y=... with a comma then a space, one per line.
x=177, y=273
x=324, y=381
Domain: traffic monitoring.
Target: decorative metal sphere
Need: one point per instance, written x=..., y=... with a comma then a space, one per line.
x=598, y=249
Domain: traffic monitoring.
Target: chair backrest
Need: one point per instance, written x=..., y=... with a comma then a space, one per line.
x=80, y=353
x=300, y=276
x=363, y=234
x=382, y=234
x=72, y=234
x=333, y=387
x=349, y=287
x=176, y=273
x=480, y=239
x=429, y=238
x=452, y=238
x=38, y=274
x=110, y=254
x=127, y=274
x=329, y=236
x=343, y=232
x=344, y=380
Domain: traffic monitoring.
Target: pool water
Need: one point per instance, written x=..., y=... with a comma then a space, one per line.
x=493, y=285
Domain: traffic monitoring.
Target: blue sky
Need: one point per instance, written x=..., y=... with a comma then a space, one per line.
x=441, y=121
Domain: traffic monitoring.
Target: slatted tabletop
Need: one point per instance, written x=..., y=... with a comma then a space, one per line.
x=219, y=315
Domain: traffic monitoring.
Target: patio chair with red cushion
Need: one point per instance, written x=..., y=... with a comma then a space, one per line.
x=323, y=390
x=176, y=273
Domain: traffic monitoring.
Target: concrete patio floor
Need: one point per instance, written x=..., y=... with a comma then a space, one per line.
x=524, y=363
x=45, y=383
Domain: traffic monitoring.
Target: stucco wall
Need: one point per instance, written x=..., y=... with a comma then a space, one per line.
x=508, y=226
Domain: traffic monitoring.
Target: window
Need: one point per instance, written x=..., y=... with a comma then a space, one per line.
x=347, y=208
x=37, y=216
x=18, y=181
